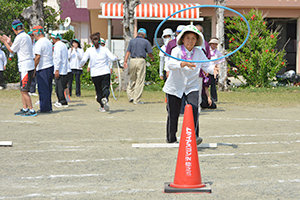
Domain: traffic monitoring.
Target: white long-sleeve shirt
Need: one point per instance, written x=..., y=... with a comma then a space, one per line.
x=75, y=57
x=3, y=60
x=99, y=60
x=185, y=80
x=60, y=58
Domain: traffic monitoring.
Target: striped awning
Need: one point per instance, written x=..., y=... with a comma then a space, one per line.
x=152, y=11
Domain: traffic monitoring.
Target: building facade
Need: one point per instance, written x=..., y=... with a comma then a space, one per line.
x=106, y=18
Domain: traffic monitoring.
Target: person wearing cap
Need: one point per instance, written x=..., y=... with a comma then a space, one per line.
x=75, y=55
x=138, y=48
x=173, y=43
x=33, y=82
x=99, y=69
x=23, y=46
x=43, y=63
x=183, y=79
x=163, y=70
x=61, y=65
x=3, y=62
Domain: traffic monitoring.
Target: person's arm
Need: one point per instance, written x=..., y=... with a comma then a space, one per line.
x=125, y=65
x=85, y=57
x=208, y=97
x=4, y=61
x=7, y=42
x=161, y=67
x=37, y=60
x=80, y=53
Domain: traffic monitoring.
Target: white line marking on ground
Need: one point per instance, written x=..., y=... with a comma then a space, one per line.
x=251, y=119
x=14, y=121
x=97, y=160
x=252, y=135
x=47, y=150
x=170, y=145
x=264, y=166
x=292, y=181
x=245, y=154
x=61, y=176
x=271, y=142
x=49, y=195
x=130, y=191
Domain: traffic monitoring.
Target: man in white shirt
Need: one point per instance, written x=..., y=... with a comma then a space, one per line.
x=23, y=46
x=44, y=68
x=60, y=60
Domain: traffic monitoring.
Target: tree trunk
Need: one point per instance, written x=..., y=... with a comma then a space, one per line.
x=34, y=14
x=128, y=30
x=222, y=82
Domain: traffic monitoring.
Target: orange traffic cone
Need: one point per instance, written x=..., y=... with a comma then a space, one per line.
x=187, y=174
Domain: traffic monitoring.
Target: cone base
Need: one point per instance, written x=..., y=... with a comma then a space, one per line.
x=169, y=189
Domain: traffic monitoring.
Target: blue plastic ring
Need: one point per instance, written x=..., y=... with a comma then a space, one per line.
x=202, y=6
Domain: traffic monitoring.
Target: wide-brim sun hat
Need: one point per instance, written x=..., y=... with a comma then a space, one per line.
x=193, y=29
x=213, y=41
x=167, y=31
x=102, y=40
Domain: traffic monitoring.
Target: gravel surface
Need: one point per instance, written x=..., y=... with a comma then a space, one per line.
x=81, y=153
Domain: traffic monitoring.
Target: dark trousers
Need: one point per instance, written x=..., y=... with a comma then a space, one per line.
x=61, y=85
x=1, y=79
x=102, y=87
x=173, y=108
x=77, y=74
x=33, y=85
x=213, y=90
x=44, y=80
x=204, y=103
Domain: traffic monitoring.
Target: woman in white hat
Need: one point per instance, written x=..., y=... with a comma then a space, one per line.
x=166, y=36
x=184, y=79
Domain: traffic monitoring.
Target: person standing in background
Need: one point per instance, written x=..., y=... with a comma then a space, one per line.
x=75, y=55
x=138, y=48
x=3, y=62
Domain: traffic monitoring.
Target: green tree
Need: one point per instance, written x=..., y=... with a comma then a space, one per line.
x=152, y=69
x=259, y=60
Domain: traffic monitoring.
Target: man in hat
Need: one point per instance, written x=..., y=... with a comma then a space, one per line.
x=137, y=49
x=61, y=65
x=44, y=68
x=75, y=55
x=23, y=46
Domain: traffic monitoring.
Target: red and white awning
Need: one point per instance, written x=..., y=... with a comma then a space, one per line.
x=153, y=11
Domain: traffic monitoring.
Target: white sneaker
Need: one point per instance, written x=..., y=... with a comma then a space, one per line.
x=102, y=110
x=1, y=88
x=105, y=103
x=59, y=105
x=33, y=94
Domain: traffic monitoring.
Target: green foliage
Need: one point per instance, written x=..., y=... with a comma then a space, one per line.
x=86, y=77
x=69, y=35
x=11, y=74
x=259, y=60
x=50, y=19
x=152, y=71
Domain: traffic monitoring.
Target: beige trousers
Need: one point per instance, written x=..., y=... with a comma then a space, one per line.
x=137, y=73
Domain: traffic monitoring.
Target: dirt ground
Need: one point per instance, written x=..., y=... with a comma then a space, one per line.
x=80, y=153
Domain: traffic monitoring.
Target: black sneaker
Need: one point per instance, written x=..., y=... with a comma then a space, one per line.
x=199, y=140
x=21, y=112
x=29, y=114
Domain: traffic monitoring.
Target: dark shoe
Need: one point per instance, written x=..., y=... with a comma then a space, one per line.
x=199, y=140
x=131, y=100
x=21, y=112
x=29, y=114
x=172, y=142
x=39, y=111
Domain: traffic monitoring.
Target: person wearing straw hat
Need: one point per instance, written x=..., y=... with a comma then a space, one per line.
x=43, y=62
x=61, y=65
x=137, y=49
x=3, y=62
x=75, y=55
x=163, y=70
x=184, y=79
x=99, y=69
x=23, y=46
